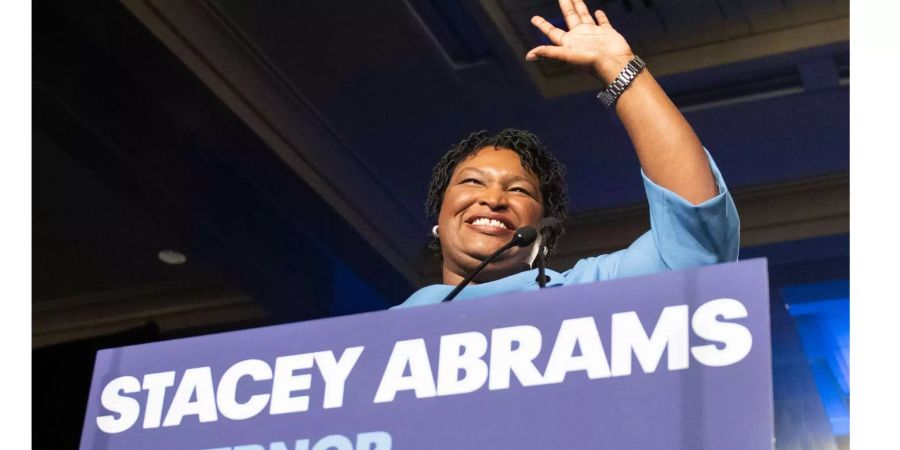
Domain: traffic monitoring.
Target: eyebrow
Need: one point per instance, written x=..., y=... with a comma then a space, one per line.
x=511, y=177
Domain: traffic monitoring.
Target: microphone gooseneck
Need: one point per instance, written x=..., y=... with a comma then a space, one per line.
x=523, y=236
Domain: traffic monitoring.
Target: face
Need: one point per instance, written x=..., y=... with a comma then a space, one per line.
x=489, y=196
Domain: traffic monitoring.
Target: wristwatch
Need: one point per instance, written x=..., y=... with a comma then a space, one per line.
x=612, y=92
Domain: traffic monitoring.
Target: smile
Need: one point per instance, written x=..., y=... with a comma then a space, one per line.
x=493, y=224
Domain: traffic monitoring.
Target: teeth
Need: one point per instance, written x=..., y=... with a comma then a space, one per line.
x=489, y=222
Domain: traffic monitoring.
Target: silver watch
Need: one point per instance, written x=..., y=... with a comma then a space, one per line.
x=612, y=92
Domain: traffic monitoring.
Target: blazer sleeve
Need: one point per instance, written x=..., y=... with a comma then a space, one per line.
x=682, y=235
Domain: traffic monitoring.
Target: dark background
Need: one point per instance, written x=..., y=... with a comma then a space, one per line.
x=285, y=149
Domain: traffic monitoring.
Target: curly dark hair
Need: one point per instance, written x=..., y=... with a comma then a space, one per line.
x=535, y=157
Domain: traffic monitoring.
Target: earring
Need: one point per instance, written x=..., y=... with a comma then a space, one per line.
x=434, y=231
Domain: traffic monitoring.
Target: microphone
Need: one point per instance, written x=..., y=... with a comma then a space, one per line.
x=523, y=237
x=550, y=224
x=549, y=227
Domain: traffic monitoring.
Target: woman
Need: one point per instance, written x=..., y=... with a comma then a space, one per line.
x=487, y=186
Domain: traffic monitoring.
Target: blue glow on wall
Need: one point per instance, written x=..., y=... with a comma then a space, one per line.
x=822, y=314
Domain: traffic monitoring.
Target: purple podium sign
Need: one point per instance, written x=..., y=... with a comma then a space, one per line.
x=678, y=360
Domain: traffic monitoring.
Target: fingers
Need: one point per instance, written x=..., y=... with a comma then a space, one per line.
x=570, y=14
x=547, y=51
x=555, y=34
x=583, y=12
x=601, y=18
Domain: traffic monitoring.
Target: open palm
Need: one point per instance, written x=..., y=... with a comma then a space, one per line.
x=590, y=44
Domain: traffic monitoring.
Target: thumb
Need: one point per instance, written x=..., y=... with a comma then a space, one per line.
x=548, y=51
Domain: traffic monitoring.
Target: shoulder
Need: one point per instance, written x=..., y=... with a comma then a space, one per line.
x=640, y=258
x=594, y=268
x=428, y=295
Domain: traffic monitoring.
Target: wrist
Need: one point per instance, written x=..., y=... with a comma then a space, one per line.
x=617, y=87
x=609, y=68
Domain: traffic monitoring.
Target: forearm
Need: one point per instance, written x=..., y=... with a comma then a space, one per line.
x=668, y=149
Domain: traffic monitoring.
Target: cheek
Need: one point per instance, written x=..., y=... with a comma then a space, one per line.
x=455, y=201
x=534, y=212
x=446, y=211
x=445, y=221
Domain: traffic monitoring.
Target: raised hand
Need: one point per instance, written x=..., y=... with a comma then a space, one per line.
x=591, y=45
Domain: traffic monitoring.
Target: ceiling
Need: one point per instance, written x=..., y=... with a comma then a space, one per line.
x=268, y=139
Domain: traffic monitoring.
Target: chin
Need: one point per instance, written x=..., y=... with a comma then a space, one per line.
x=484, y=246
x=509, y=262
x=496, y=271
x=481, y=252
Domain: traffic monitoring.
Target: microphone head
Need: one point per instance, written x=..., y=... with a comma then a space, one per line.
x=550, y=224
x=524, y=236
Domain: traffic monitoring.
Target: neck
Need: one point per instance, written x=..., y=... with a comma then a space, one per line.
x=452, y=278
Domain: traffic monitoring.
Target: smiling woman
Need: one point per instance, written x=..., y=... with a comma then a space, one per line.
x=485, y=187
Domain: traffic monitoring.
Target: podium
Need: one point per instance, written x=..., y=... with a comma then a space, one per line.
x=676, y=360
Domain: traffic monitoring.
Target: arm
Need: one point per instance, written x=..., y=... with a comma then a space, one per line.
x=693, y=218
x=668, y=149
x=682, y=235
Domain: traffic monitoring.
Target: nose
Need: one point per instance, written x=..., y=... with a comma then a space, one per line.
x=494, y=197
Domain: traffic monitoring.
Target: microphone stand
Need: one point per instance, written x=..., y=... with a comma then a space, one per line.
x=523, y=236
x=549, y=226
x=542, y=278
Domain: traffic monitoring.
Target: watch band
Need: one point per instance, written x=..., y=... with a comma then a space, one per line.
x=612, y=92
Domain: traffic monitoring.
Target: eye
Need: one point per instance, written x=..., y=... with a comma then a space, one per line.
x=470, y=181
x=522, y=190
